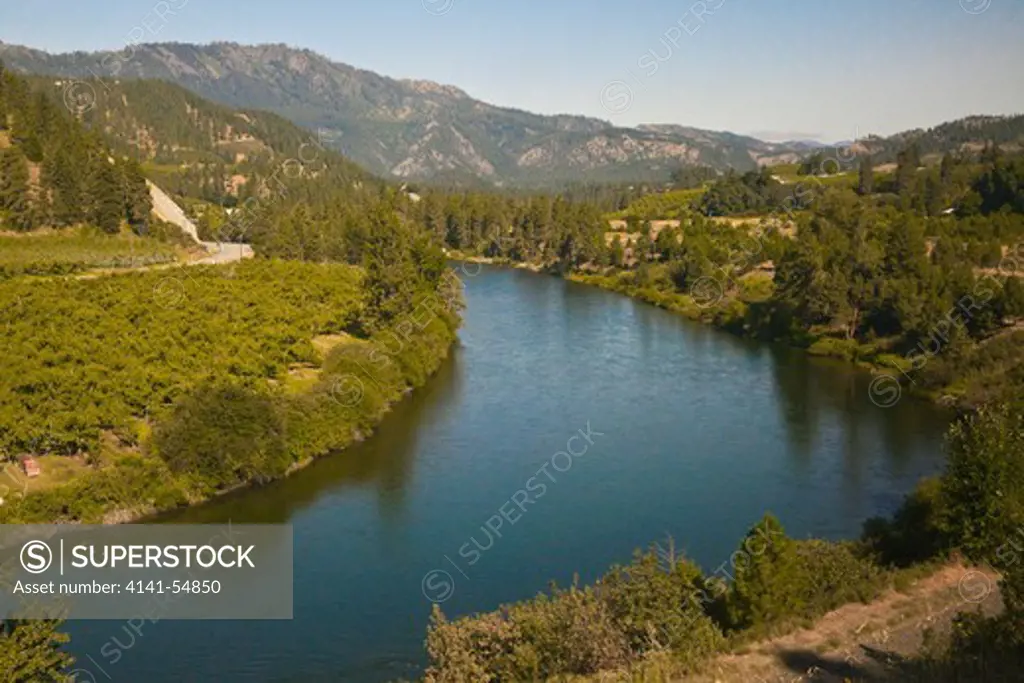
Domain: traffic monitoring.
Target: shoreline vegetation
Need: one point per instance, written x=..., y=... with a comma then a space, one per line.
x=863, y=356
x=234, y=431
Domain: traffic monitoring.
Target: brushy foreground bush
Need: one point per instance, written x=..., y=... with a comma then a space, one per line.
x=913, y=534
x=781, y=582
x=982, y=499
x=633, y=611
x=653, y=606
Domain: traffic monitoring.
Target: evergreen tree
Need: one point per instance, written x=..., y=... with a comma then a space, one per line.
x=946, y=168
x=618, y=253
x=65, y=188
x=30, y=651
x=866, y=183
x=906, y=170
x=107, y=197
x=137, y=201
x=391, y=276
x=768, y=581
x=14, y=189
x=3, y=97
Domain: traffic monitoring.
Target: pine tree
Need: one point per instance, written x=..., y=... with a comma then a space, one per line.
x=107, y=197
x=770, y=581
x=30, y=651
x=618, y=252
x=3, y=97
x=14, y=189
x=866, y=183
x=63, y=186
x=137, y=201
x=906, y=169
x=946, y=168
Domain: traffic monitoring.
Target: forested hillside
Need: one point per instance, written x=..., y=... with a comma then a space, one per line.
x=190, y=146
x=55, y=173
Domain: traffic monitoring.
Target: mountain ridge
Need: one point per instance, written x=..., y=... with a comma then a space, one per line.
x=416, y=129
x=408, y=128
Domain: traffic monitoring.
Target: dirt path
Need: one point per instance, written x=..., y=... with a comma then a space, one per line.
x=862, y=642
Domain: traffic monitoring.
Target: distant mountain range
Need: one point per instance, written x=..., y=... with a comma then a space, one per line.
x=420, y=130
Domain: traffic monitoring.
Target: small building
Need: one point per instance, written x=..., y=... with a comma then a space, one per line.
x=30, y=466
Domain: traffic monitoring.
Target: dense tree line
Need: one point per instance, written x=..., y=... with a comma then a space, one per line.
x=326, y=222
x=871, y=273
x=540, y=228
x=752, y=192
x=55, y=173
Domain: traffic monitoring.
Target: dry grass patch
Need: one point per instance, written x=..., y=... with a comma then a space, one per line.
x=54, y=470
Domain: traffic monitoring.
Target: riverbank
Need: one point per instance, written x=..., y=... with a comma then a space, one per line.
x=963, y=388
x=457, y=255
x=220, y=438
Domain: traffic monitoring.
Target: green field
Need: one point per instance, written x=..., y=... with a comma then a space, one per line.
x=663, y=205
x=85, y=356
x=177, y=383
x=75, y=251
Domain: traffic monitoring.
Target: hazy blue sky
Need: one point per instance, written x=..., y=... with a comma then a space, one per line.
x=830, y=69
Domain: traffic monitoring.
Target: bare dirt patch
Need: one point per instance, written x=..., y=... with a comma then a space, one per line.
x=861, y=642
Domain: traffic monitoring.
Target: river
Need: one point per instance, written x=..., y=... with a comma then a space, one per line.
x=688, y=432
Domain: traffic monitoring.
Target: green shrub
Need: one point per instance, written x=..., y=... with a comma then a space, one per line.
x=480, y=648
x=913, y=534
x=836, y=575
x=982, y=493
x=779, y=580
x=570, y=632
x=219, y=436
x=847, y=349
x=655, y=608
